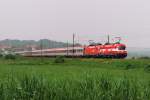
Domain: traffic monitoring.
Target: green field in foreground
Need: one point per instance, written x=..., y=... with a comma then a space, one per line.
x=75, y=68
x=75, y=79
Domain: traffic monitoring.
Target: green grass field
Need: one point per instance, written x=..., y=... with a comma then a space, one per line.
x=75, y=79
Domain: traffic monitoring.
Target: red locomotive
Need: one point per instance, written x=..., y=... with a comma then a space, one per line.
x=115, y=50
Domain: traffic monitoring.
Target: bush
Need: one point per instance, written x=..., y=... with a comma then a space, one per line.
x=147, y=68
x=133, y=58
x=1, y=55
x=146, y=57
x=130, y=66
x=10, y=56
x=59, y=59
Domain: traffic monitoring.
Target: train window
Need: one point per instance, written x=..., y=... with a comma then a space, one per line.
x=122, y=48
x=93, y=44
x=107, y=43
x=79, y=50
x=99, y=44
x=71, y=51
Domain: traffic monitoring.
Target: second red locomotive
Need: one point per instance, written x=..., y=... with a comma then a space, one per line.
x=114, y=50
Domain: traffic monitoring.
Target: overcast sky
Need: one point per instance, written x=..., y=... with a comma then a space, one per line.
x=89, y=19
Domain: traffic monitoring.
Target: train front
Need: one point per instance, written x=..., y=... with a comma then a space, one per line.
x=121, y=51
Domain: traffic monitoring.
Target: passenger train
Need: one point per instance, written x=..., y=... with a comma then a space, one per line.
x=108, y=50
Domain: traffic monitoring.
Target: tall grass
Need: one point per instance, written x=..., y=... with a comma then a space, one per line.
x=102, y=87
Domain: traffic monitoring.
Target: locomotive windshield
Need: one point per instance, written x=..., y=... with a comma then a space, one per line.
x=121, y=47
